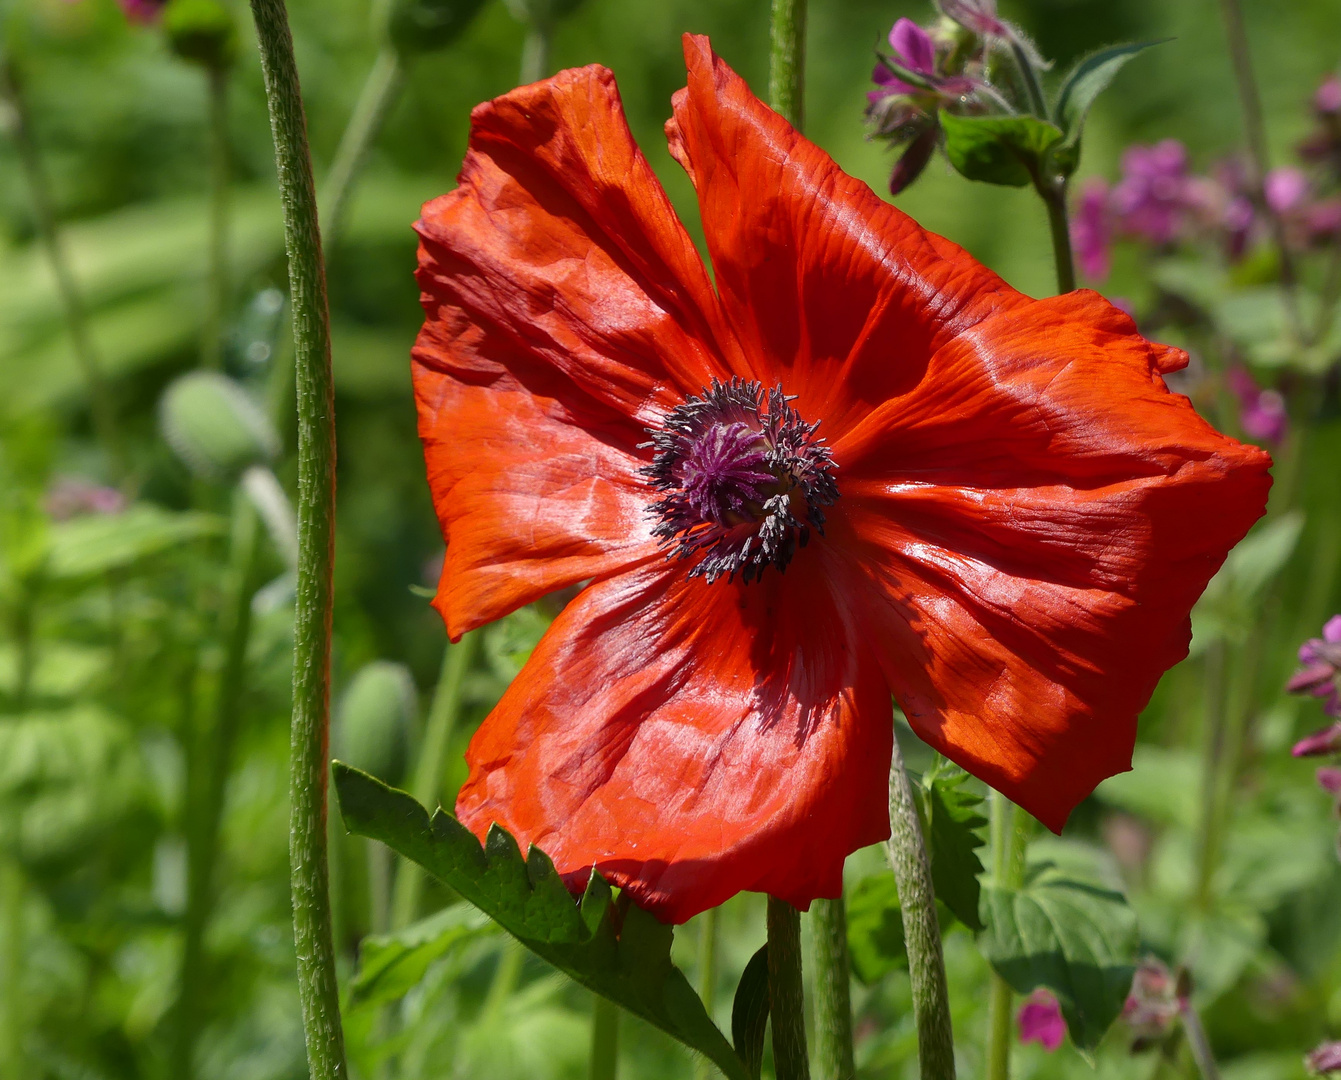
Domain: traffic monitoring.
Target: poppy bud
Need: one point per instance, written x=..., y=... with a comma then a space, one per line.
x=913, y=160
x=201, y=31
x=214, y=426
x=420, y=26
x=376, y=713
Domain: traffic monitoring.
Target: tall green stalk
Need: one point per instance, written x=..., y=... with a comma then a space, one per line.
x=706, y=970
x=426, y=783
x=13, y=938
x=786, y=995
x=105, y=424
x=1054, y=198
x=209, y=759
x=787, y=60
x=604, y=1038
x=211, y=347
x=317, y=988
x=833, y=991
x=1011, y=828
x=921, y=930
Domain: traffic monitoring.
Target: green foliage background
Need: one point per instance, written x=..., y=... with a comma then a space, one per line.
x=93, y=776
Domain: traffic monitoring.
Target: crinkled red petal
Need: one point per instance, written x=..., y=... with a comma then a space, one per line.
x=693, y=740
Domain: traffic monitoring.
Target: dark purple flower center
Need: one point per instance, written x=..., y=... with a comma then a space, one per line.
x=742, y=480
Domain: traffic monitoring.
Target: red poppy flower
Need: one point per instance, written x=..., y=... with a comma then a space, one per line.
x=1002, y=519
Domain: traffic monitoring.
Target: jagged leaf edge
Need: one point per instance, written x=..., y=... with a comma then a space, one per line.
x=424, y=840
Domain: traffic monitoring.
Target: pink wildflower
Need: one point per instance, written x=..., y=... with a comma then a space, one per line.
x=1041, y=1021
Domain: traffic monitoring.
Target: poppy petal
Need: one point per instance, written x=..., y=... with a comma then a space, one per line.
x=692, y=740
x=529, y=501
x=566, y=307
x=829, y=288
x=560, y=254
x=1038, y=517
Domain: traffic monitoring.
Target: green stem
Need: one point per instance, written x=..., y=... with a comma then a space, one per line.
x=921, y=930
x=535, y=54
x=833, y=991
x=1199, y=1044
x=210, y=755
x=1254, y=130
x=211, y=347
x=999, y=1041
x=786, y=996
x=1054, y=198
x=13, y=1024
x=706, y=967
x=787, y=61
x=380, y=89
x=426, y=784
x=22, y=630
x=604, y=1038
x=317, y=988
x=87, y=355
x=1212, y=760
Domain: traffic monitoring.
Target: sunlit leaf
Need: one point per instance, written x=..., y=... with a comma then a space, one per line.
x=749, y=1012
x=1008, y=150
x=624, y=955
x=1087, y=80
x=99, y=543
x=391, y=964
x=954, y=834
x=875, y=928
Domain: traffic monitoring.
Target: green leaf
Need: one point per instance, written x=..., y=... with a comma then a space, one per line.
x=96, y=544
x=627, y=962
x=749, y=1012
x=1075, y=938
x=1226, y=607
x=950, y=814
x=1008, y=150
x=875, y=928
x=1087, y=80
x=392, y=964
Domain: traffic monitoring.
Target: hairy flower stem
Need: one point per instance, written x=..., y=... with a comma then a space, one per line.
x=385, y=79
x=1254, y=131
x=101, y=408
x=604, y=1038
x=1054, y=198
x=317, y=988
x=209, y=759
x=786, y=996
x=535, y=52
x=921, y=930
x=211, y=342
x=426, y=783
x=787, y=61
x=833, y=991
x=1038, y=104
x=1199, y=1044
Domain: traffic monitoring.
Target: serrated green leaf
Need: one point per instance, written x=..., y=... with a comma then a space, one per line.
x=950, y=813
x=1087, y=80
x=391, y=964
x=1007, y=150
x=749, y=1012
x=1077, y=939
x=630, y=965
x=96, y=544
x=875, y=928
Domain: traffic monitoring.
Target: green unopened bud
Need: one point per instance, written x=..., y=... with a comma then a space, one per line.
x=376, y=714
x=214, y=426
x=202, y=31
x=419, y=26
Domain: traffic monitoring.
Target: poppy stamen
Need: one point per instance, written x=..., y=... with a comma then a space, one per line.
x=743, y=480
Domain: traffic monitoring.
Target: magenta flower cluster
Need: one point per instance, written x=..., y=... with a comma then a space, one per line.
x=1040, y=1019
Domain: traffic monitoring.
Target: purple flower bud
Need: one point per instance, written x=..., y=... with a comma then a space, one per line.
x=1152, y=195
x=1322, y=221
x=1325, y=1060
x=913, y=160
x=1285, y=188
x=1091, y=231
x=1041, y=1021
x=1320, y=676
x=1326, y=741
x=143, y=11
x=71, y=497
x=1261, y=412
x=977, y=15
x=1327, y=99
x=1329, y=779
x=1153, y=1004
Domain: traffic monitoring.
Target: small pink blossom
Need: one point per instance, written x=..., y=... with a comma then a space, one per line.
x=1041, y=1021
x=912, y=49
x=1329, y=779
x=1320, y=743
x=1091, y=231
x=1325, y=1060
x=1152, y=196
x=143, y=11
x=1320, y=676
x=1261, y=412
x=71, y=497
x=1153, y=1004
x=1327, y=98
x=1286, y=189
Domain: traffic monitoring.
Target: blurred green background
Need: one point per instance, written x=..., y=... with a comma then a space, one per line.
x=96, y=759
